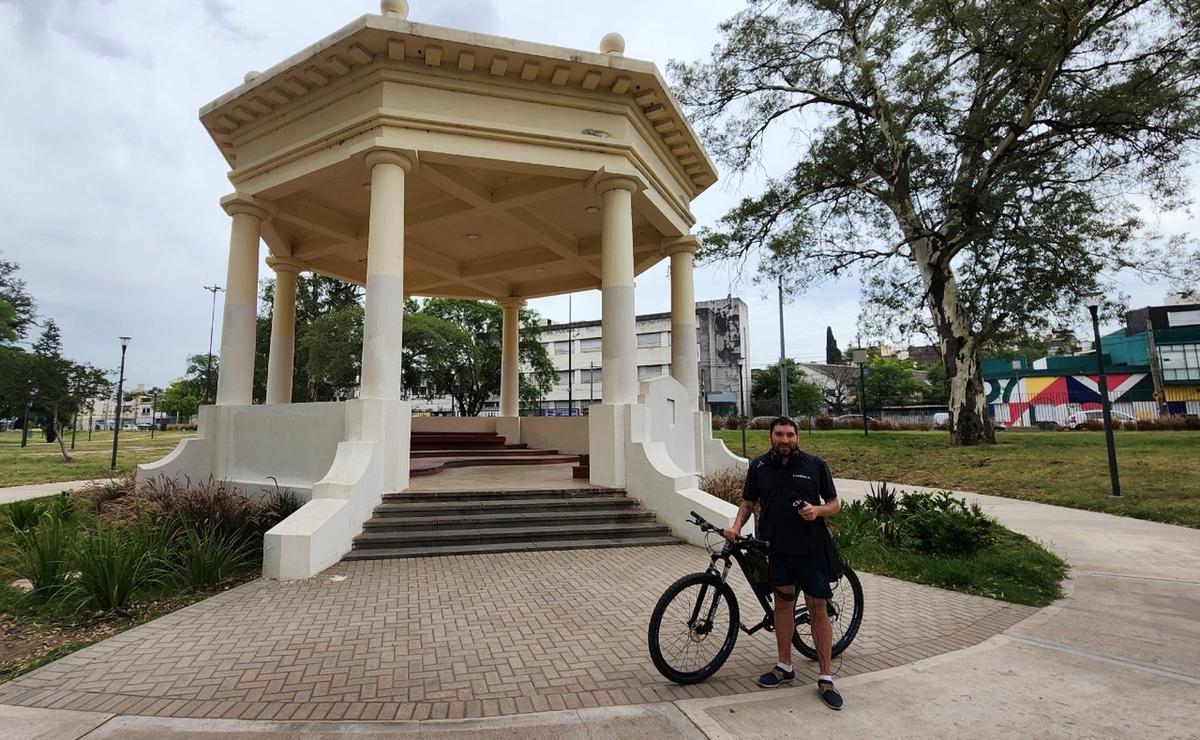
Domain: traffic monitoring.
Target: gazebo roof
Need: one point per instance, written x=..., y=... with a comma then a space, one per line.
x=508, y=137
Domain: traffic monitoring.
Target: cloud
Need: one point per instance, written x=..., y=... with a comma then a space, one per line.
x=471, y=15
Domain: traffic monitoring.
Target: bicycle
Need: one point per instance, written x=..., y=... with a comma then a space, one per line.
x=696, y=623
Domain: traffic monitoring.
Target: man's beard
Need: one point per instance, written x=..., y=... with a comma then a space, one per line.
x=784, y=450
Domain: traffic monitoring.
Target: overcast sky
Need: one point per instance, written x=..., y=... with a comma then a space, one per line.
x=110, y=199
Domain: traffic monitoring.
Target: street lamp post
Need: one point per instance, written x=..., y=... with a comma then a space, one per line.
x=153, y=411
x=212, y=322
x=742, y=403
x=1092, y=302
x=120, y=386
x=783, y=384
x=25, y=423
x=860, y=356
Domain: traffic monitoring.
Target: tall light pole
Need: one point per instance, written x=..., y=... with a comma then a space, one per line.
x=570, y=354
x=860, y=356
x=120, y=387
x=742, y=402
x=212, y=322
x=783, y=385
x=1092, y=301
x=153, y=410
x=25, y=423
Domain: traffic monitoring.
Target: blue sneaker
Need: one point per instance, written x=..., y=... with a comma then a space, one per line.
x=829, y=695
x=776, y=677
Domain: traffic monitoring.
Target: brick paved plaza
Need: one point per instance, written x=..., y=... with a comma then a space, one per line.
x=462, y=636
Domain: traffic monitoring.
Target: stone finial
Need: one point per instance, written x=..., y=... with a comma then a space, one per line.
x=251, y=75
x=612, y=43
x=395, y=8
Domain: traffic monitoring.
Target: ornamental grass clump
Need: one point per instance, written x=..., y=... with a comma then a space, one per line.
x=112, y=566
x=940, y=524
x=40, y=554
x=210, y=557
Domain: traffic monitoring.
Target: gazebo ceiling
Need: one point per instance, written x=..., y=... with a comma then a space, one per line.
x=508, y=138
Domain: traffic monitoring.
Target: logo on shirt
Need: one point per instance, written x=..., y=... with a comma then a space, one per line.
x=801, y=475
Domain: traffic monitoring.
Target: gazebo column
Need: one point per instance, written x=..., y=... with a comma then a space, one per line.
x=280, y=362
x=510, y=344
x=383, y=328
x=235, y=383
x=618, y=344
x=684, y=359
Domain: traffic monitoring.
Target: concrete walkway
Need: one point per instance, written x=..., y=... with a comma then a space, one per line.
x=40, y=490
x=1119, y=657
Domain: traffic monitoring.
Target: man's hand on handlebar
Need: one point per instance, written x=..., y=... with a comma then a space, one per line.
x=731, y=534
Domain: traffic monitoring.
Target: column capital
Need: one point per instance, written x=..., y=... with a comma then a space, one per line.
x=236, y=204
x=382, y=155
x=677, y=244
x=510, y=302
x=606, y=182
x=285, y=264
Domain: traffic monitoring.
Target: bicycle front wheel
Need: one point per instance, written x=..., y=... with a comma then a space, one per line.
x=693, y=628
x=845, y=612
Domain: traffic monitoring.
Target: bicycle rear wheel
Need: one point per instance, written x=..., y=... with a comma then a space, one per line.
x=845, y=611
x=693, y=628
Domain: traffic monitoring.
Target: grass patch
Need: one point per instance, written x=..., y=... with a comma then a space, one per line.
x=1013, y=568
x=1160, y=471
x=41, y=461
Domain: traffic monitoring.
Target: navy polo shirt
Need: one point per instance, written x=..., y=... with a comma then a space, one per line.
x=779, y=488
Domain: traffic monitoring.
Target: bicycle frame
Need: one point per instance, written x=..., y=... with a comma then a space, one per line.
x=731, y=552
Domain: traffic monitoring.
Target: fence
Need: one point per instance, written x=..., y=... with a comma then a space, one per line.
x=1054, y=409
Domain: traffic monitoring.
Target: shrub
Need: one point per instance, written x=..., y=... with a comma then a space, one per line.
x=853, y=525
x=112, y=567
x=940, y=524
x=1093, y=425
x=884, y=505
x=62, y=507
x=41, y=553
x=824, y=422
x=1129, y=426
x=762, y=422
x=24, y=515
x=1191, y=423
x=732, y=422
x=276, y=506
x=726, y=484
x=181, y=427
x=100, y=494
x=211, y=557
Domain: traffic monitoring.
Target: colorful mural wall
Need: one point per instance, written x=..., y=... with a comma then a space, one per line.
x=1029, y=400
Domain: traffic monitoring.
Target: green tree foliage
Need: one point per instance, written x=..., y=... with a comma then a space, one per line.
x=20, y=314
x=804, y=398
x=937, y=390
x=891, y=383
x=833, y=355
x=470, y=372
x=184, y=396
x=330, y=353
x=975, y=159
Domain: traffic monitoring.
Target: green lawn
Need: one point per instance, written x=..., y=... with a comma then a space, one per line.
x=41, y=462
x=1160, y=471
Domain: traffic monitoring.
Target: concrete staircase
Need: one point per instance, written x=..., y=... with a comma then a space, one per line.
x=432, y=452
x=429, y=523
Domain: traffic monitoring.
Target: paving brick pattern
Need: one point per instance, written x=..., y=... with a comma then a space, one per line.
x=460, y=636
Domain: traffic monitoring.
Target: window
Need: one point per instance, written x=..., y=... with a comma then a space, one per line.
x=590, y=376
x=646, y=372
x=1180, y=361
x=562, y=348
x=564, y=377
x=649, y=340
x=589, y=345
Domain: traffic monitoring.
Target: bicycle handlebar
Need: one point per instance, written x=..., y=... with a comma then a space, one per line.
x=706, y=526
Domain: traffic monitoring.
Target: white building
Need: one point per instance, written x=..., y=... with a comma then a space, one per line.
x=722, y=331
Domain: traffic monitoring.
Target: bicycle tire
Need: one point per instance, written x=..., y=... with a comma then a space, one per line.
x=710, y=588
x=802, y=637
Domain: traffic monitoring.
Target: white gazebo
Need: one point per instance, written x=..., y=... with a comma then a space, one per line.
x=417, y=160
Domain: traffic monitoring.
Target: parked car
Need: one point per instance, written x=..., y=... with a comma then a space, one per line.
x=1079, y=419
x=855, y=417
x=129, y=427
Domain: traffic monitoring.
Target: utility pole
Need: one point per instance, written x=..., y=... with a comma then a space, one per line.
x=120, y=387
x=742, y=403
x=783, y=383
x=212, y=322
x=153, y=410
x=1093, y=304
x=591, y=389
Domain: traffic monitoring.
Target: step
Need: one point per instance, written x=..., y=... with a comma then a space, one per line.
x=508, y=534
x=398, y=522
x=447, y=508
x=513, y=451
x=577, y=494
x=581, y=472
x=502, y=547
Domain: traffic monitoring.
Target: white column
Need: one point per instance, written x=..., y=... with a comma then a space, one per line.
x=618, y=344
x=283, y=331
x=684, y=358
x=235, y=383
x=383, y=328
x=510, y=349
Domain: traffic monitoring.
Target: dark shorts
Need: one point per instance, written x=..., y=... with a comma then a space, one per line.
x=806, y=572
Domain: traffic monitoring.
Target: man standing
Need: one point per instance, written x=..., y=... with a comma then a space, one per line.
x=795, y=492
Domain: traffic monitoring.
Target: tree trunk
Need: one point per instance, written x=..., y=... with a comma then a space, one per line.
x=58, y=433
x=969, y=420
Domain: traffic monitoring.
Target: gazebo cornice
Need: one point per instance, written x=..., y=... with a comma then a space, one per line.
x=445, y=56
